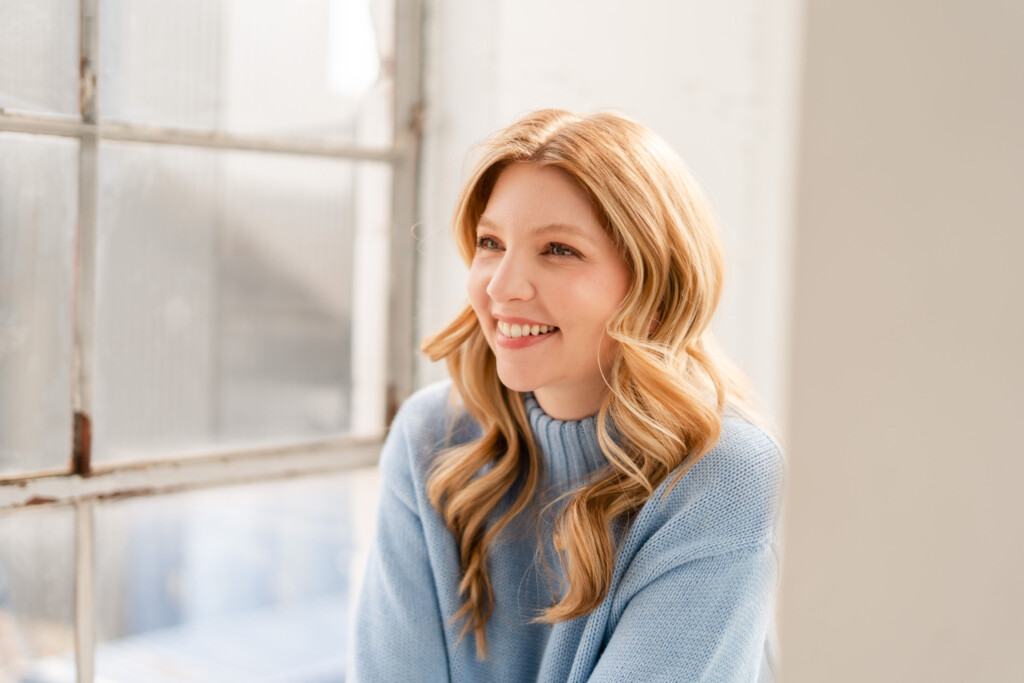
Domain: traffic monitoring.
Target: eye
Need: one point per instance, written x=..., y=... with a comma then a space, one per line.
x=487, y=243
x=556, y=249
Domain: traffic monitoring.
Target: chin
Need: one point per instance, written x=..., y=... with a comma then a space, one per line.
x=516, y=382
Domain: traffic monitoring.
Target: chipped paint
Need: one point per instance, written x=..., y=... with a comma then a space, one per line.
x=39, y=500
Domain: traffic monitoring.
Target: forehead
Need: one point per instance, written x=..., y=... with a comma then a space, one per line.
x=533, y=198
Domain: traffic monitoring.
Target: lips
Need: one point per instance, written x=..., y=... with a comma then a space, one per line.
x=521, y=333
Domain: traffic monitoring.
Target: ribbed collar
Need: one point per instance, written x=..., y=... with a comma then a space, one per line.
x=570, y=448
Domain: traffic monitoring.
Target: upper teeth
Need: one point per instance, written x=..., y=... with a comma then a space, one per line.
x=523, y=330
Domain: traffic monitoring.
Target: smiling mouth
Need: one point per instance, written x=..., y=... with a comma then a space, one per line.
x=515, y=331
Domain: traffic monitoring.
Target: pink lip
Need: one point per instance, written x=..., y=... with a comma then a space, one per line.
x=520, y=321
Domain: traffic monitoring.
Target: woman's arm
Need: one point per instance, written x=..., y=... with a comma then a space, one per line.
x=707, y=619
x=398, y=631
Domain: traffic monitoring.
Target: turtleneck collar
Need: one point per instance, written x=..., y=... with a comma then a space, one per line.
x=570, y=448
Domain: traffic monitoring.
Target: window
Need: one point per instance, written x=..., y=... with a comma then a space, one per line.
x=206, y=278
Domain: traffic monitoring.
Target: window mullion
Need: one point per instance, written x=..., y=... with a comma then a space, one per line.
x=401, y=332
x=84, y=301
x=85, y=588
x=84, y=306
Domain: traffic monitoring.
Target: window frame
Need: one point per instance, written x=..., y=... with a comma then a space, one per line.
x=81, y=485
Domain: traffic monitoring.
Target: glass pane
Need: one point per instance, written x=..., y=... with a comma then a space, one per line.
x=38, y=209
x=314, y=69
x=243, y=584
x=223, y=298
x=39, y=57
x=37, y=596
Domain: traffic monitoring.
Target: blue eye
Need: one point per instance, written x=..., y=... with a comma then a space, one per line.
x=486, y=243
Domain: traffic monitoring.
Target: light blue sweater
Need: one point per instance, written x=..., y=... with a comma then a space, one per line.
x=692, y=593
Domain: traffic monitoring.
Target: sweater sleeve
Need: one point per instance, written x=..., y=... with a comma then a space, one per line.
x=398, y=629
x=705, y=620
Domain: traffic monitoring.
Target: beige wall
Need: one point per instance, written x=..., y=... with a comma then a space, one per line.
x=905, y=531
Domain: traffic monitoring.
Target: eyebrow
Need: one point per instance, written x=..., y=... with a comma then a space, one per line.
x=570, y=228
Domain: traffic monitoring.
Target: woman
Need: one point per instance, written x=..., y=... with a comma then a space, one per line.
x=584, y=501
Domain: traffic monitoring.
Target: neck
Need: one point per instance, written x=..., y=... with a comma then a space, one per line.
x=570, y=405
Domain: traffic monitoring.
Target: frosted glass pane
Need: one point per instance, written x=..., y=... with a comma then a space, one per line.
x=310, y=69
x=37, y=596
x=38, y=206
x=223, y=298
x=244, y=584
x=39, y=56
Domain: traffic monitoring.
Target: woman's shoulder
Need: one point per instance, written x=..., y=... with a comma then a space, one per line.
x=430, y=421
x=741, y=476
x=424, y=405
x=729, y=499
x=744, y=453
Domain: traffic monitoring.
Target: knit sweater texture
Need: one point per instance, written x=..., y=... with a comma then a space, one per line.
x=693, y=587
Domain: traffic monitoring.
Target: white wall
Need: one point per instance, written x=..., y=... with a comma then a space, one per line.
x=895, y=365
x=716, y=80
x=904, y=551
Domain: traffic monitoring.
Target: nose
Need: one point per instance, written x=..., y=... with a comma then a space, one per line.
x=511, y=280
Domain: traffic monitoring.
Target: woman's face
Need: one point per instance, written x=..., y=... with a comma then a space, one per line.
x=543, y=261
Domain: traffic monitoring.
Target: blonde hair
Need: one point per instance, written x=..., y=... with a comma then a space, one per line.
x=667, y=388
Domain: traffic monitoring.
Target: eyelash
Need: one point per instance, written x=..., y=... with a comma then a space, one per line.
x=485, y=242
x=557, y=245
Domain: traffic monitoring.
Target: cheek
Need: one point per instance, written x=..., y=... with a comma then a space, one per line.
x=476, y=288
x=592, y=302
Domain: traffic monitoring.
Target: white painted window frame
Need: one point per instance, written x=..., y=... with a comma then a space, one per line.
x=81, y=485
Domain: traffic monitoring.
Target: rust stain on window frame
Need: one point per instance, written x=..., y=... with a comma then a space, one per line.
x=81, y=455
